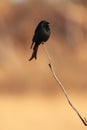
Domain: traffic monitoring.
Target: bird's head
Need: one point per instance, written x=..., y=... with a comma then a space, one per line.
x=45, y=24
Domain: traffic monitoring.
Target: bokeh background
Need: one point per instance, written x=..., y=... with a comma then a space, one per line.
x=30, y=98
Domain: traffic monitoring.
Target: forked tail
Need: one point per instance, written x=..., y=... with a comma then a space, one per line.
x=34, y=54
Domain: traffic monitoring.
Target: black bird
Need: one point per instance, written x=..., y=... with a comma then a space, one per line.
x=41, y=35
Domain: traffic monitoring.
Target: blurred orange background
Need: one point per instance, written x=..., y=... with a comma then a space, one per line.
x=30, y=98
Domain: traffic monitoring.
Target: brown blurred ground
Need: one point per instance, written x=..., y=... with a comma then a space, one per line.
x=68, y=49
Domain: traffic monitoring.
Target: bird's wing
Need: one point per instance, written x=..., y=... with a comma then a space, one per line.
x=36, y=33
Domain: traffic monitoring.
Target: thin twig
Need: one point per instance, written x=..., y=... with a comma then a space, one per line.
x=62, y=87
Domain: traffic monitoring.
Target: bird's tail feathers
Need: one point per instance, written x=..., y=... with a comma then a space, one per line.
x=34, y=54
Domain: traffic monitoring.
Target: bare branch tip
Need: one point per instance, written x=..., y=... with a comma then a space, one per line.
x=85, y=121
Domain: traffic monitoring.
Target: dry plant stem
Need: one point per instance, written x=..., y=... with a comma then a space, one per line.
x=62, y=87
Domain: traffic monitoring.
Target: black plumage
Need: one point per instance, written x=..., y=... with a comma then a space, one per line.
x=41, y=35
